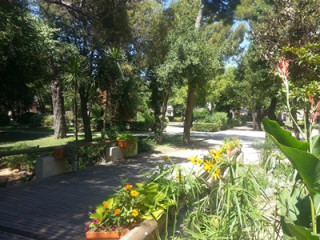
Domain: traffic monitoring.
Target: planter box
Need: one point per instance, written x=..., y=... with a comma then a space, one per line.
x=146, y=230
x=106, y=235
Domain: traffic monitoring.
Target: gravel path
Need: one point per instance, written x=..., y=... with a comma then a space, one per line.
x=201, y=142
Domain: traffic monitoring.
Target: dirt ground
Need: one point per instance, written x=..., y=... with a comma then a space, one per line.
x=10, y=176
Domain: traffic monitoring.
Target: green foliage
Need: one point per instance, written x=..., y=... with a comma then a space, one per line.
x=210, y=122
x=200, y=115
x=41, y=120
x=238, y=121
x=206, y=127
x=146, y=144
x=308, y=166
x=231, y=210
x=23, y=161
x=90, y=156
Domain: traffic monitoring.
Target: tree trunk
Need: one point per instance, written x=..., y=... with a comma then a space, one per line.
x=188, y=115
x=191, y=92
x=163, y=117
x=84, y=112
x=58, y=109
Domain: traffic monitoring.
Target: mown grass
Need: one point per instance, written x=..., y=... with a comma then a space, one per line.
x=11, y=139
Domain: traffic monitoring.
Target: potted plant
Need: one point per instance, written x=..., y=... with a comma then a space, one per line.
x=59, y=153
x=127, y=143
x=114, y=217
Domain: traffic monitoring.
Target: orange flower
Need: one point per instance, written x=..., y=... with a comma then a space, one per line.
x=135, y=212
x=105, y=205
x=128, y=187
x=100, y=220
x=117, y=211
x=283, y=68
x=134, y=193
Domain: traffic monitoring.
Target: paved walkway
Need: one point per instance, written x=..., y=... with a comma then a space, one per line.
x=57, y=207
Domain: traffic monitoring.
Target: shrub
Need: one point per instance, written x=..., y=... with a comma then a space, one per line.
x=146, y=144
x=42, y=120
x=4, y=119
x=200, y=115
x=212, y=123
x=239, y=121
x=22, y=161
x=206, y=127
x=149, y=120
x=25, y=117
x=48, y=121
x=219, y=118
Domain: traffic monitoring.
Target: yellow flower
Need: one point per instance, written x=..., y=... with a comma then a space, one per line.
x=178, y=176
x=166, y=158
x=216, y=155
x=117, y=211
x=195, y=160
x=216, y=174
x=135, y=212
x=100, y=220
x=105, y=205
x=207, y=166
x=134, y=193
x=128, y=187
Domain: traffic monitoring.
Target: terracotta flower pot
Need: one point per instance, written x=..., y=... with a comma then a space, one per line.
x=123, y=144
x=59, y=153
x=106, y=235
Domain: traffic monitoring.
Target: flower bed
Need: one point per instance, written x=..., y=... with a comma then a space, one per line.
x=144, y=207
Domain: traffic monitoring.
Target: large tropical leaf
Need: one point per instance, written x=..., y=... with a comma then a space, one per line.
x=306, y=164
x=299, y=232
x=282, y=136
x=315, y=145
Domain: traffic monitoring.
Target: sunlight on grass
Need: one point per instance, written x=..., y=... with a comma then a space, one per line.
x=10, y=139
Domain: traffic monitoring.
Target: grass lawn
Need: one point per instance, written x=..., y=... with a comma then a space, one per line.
x=11, y=139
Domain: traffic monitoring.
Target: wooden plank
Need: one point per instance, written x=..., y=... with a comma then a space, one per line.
x=57, y=207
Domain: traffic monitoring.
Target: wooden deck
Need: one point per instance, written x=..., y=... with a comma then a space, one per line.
x=57, y=207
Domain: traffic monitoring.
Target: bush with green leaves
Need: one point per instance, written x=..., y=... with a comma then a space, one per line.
x=200, y=114
x=146, y=144
x=23, y=161
x=239, y=121
x=211, y=122
x=79, y=158
x=42, y=120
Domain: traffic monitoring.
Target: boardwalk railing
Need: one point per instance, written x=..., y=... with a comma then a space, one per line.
x=52, y=148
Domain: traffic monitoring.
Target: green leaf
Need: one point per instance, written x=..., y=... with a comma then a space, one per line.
x=315, y=145
x=301, y=233
x=100, y=210
x=306, y=164
x=283, y=137
x=109, y=203
x=157, y=214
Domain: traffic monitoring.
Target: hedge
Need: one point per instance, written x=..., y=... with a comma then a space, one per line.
x=206, y=127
